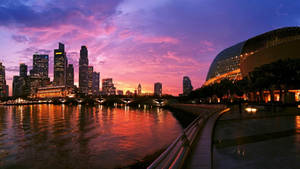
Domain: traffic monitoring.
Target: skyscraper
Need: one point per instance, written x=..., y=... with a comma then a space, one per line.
x=70, y=75
x=187, y=86
x=23, y=70
x=158, y=89
x=21, y=83
x=60, y=66
x=139, y=91
x=90, y=80
x=83, y=70
x=3, y=86
x=40, y=66
x=96, y=83
x=108, y=87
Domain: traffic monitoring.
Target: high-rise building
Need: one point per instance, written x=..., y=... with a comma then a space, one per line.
x=158, y=89
x=70, y=75
x=23, y=70
x=187, y=86
x=90, y=80
x=60, y=66
x=96, y=83
x=139, y=91
x=21, y=83
x=83, y=70
x=108, y=87
x=3, y=86
x=40, y=66
x=38, y=74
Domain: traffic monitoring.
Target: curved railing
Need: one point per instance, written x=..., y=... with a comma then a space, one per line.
x=174, y=156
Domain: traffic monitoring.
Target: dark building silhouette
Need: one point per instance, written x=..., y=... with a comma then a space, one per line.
x=83, y=70
x=23, y=70
x=187, y=86
x=139, y=90
x=96, y=83
x=21, y=83
x=60, y=66
x=158, y=89
x=3, y=86
x=70, y=75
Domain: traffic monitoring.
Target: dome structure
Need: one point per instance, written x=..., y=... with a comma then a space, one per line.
x=237, y=61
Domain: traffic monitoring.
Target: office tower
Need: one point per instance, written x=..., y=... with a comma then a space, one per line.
x=90, y=80
x=60, y=66
x=139, y=91
x=70, y=75
x=3, y=86
x=187, y=86
x=23, y=70
x=108, y=87
x=40, y=66
x=96, y=83
x=158, y=89
x=83, y=70
x=21, y=83
x=38, y=74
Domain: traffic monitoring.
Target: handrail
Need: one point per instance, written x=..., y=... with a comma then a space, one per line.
x=173, y=157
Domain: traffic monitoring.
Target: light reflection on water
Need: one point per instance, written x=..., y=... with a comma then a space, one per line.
x=60, y=136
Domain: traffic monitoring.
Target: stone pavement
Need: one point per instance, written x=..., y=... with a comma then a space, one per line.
x=260, y=140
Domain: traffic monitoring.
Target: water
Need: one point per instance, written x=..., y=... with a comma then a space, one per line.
x=75, y=137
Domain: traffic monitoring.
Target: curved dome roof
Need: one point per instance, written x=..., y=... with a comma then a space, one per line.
x=271, y=38
x=222, y=63
x=232, y=51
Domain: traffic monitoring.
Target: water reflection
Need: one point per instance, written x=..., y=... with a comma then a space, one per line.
x=50, y=136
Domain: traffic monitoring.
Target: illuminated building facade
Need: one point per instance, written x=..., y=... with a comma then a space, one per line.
x=108, y=87
x=54, y=92
x=90, y=80
x=60, y=66
x=83, y=70
x=3, y=86
x=237, y=61
x=158, y=89
x=70, y=75
x=187, y=86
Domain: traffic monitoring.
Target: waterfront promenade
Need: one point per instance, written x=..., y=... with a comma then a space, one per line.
x=228, y=139
x=262, y=140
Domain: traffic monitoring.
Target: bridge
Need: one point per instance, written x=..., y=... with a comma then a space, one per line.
x=192, y=149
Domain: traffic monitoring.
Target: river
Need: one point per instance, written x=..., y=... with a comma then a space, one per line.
x=77, y=137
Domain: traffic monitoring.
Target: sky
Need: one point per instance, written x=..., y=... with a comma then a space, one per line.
x=136, y=41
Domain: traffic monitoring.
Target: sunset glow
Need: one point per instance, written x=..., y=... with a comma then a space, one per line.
x=134, y=41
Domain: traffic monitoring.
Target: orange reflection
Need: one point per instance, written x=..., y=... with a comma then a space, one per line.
x=297, y=122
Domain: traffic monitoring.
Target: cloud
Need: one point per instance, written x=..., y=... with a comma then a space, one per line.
x=20, y=38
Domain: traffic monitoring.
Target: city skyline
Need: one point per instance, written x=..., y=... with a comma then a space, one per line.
x=141, y=39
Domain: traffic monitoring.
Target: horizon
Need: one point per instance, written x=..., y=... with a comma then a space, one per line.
x=134, y=42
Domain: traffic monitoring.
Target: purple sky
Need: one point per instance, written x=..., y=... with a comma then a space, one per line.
x=137, y=41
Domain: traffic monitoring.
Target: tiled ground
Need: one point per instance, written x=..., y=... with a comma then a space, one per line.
x=262, y=140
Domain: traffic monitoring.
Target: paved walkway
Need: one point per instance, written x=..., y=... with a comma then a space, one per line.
x=257, y=140
x=201, y=153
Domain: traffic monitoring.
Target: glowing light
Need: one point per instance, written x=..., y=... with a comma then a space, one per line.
x=58, y=53
x=251, y=109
